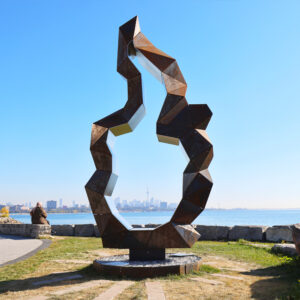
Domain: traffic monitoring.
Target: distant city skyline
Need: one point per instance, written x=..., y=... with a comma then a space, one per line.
x=173, y=204
x=58, y=76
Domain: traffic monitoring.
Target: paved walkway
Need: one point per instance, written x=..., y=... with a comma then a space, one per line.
x=16, y=248
x=114, y=290
x=155, y=291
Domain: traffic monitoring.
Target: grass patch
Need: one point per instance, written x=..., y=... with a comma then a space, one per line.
x=68, y=248
x=204, y=269
x=238, y=251
x=208, y=269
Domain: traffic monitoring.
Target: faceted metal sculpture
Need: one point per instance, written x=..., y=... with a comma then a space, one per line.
x=178, y=123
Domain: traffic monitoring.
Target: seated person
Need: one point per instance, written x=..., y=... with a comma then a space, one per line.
x=39, y=215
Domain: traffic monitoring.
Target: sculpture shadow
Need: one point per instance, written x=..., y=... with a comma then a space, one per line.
x=282, y=281
x=88, y=273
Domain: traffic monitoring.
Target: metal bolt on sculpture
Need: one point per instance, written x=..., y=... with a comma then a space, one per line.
x=178, y=123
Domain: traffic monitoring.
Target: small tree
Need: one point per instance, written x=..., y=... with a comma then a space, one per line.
x=5, y=212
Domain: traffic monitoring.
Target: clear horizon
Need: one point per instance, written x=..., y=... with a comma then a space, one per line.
x=58, y=76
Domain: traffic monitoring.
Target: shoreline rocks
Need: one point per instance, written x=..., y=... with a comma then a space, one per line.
x=249, y=233
x=9, y=220
x=273, y=234
x=286, y=249
x=26, y=230
x=279, y=233
x=296, y=236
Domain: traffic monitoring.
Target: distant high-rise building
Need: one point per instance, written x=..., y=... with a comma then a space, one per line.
x=74, y=203
x=51, y=204
x=124, y=203
x=172, y=205
x=60, y=203
x=163, y=205
x=152, y=201
x=117, y=201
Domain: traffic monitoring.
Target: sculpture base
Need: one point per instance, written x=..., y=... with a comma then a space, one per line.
x=121, y=265
x=147, y=254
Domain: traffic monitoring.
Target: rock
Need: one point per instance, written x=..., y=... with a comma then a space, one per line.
x=296, y=236
x=84, y=230
x=212, y=233
x=8, y=220
x=96, y=231
x=286, y=249
x=250, y=233
x=37, y=230
x=279, y=233
x=28, y=230
x=63, y=230
x=138, y=226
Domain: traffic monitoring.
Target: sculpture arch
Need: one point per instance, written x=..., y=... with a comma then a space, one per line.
x=178, y=123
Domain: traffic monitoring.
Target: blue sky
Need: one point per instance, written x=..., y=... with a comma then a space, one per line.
x=58, y=75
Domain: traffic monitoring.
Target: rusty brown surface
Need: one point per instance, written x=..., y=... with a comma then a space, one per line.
x=178, y=123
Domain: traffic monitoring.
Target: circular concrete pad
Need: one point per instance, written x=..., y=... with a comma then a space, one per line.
x=175, y=263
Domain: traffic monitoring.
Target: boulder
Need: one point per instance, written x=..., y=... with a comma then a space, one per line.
x=9, y=220
x=286, y=249
x=84, y=230
x=28, y=230
x=96, y=231
x=37, y=230
x=249, y=233
x=138, y=226
x=296, y=236
x=63, y=230
x=212, y=233
x=279, y=233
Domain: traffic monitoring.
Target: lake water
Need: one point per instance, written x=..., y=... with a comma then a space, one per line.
x=227, y=217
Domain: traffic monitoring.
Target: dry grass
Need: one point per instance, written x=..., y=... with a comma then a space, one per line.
x=135, y=292
x=89, y=293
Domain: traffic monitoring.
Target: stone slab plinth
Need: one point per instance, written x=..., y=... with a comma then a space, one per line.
x=286, y=249
x=27, y=230
x=63, y=230
x=249, y=233
x=212, y=233
x=279, y=233
x=86, y=230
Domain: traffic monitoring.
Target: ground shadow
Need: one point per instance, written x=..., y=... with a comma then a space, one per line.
x=13, y=237
x=281, y=282
x=88, y=273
